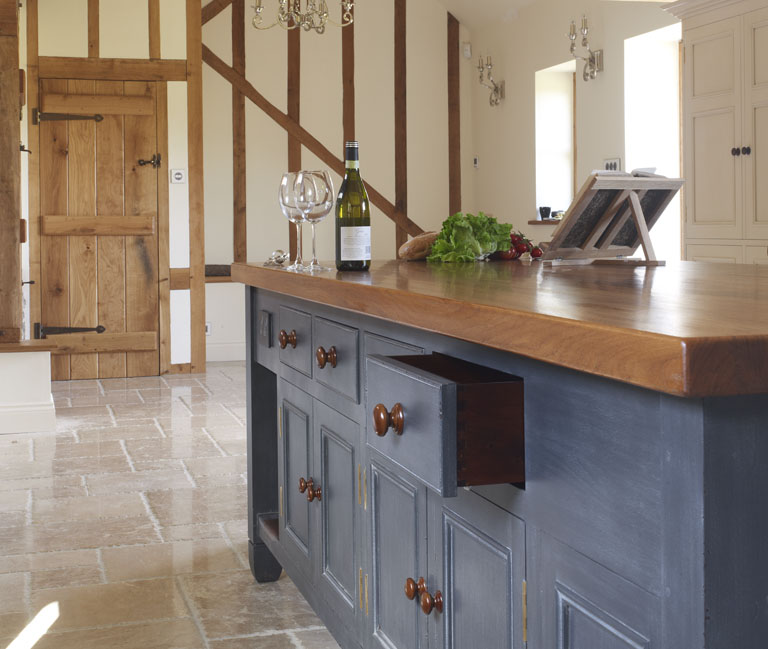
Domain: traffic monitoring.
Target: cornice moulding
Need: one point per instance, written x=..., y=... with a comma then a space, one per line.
x=686, y=8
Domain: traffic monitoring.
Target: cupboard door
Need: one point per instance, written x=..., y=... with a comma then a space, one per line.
x=477, y=562
x=398, y=551
x=712, y=131
x=575, y=603
x=756, y=123
x=295, y=463
x=757, y=254
x=339, y=560
x=714, y=253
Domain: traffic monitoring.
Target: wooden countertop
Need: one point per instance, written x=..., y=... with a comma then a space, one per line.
x=690, y=329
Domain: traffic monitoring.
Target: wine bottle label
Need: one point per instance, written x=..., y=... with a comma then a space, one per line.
x=356, y=243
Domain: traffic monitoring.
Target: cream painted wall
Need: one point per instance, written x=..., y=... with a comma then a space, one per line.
x=505, y=136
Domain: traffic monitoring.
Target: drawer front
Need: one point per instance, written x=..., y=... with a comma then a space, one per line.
x=344, y=341
x=300, y=356
x=375, y=344
x=427, y=446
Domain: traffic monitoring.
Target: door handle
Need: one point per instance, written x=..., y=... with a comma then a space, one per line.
x=155, y=161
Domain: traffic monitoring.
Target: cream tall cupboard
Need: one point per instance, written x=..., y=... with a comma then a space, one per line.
x=725, y=134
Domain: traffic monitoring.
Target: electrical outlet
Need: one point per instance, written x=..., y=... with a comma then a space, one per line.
x=208, y=329
x=612, y=164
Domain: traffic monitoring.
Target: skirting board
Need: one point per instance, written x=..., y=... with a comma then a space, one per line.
x=225, y=352
x=28, y=418
x=26, y=404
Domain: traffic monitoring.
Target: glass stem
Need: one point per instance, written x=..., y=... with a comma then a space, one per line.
x=314, y=254
x=299, y=252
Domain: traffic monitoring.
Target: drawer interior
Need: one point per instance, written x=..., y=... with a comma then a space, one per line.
x=490, y=420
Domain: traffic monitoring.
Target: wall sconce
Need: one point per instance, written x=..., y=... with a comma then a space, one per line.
x=497, y=89
x=594, y=61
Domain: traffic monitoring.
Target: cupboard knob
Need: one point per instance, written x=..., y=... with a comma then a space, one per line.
x=735, y=151
x=746, y=150
x=324, y=357
x=428, y=602
x=304, y=484
x=383, y=419
x=413, y=588
x=313, y=493
x=285, y=338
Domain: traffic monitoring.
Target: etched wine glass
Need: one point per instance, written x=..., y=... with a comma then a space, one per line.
x=324, y=199
x=287, y=198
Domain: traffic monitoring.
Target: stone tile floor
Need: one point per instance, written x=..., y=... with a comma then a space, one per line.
x=131, y=516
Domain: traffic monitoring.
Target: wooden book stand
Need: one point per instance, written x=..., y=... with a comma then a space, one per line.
x=610, y=218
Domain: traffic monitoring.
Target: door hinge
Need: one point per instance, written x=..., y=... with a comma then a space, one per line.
x=525, y=611
x=41, y=331
x=39, y=116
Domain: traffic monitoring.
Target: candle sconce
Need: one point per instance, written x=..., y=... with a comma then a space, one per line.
x=497, y=89
x=593, y=62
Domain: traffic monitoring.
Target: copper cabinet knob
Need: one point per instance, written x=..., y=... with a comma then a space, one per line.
x=428, y=602
x=324, y=357
x=383, y=420
x=413, y=588
x=313, y=493
x=285, y=338
x=304, y=484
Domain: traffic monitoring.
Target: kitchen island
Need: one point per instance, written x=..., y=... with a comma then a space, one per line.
x=496, y=454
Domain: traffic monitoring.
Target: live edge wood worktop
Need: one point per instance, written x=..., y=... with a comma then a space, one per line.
x=513, y=455
x=688, y=328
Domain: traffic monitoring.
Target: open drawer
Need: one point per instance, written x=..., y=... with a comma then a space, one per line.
x=449, y=422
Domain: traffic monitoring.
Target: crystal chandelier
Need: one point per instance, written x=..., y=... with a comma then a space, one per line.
x=314, y=15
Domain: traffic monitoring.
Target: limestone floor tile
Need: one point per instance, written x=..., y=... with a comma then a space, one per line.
x=316, y=639
x=69, y=449
x=110, y=604
x=48, y=560
x=232, y=446
x=208, y=466
x=172, y=533
x=211, y=505
x=261, y=607
x=64, y=577
x=11, y=624
x=223, y=480
x=94, y=533
x=88, y=507
x=175, y=479
x=169, y=559
x=173, y=634
x=12, y=593
x=13, y=501
x=274, y=641
x=172, y=448
x=47, y=486
x=144, y=430
x=89, y=465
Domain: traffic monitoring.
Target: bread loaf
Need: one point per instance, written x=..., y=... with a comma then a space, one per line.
x=418, y=247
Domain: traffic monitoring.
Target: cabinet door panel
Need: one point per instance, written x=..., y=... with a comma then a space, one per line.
x=399, y=551
x=756, y=123
x=477, y=560
x=577, y=604
x=712, y=128
x=337, y=441
x=295, y=463
x=714, y=253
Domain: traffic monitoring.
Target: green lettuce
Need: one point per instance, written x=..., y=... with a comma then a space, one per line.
x=466, y=237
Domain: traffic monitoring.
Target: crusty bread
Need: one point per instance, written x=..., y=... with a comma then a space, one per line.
x=418, y=247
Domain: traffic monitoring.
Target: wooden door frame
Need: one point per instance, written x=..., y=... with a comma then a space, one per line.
x=152, y=69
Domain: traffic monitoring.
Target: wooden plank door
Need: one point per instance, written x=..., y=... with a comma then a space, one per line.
x=99, y=245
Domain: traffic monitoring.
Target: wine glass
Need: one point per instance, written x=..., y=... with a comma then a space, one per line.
x=324, y=199
x=287, y=198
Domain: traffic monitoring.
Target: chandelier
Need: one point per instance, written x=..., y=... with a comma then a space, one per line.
x=314, y=15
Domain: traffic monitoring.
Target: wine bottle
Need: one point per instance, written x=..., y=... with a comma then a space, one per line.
x=353, y=217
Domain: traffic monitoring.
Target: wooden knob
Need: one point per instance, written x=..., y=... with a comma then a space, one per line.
x=285, y=338
x=428, y=602
x=413, y=588
x=304, y=484
x=383, y=420
x=312, y=493
x=324, y=357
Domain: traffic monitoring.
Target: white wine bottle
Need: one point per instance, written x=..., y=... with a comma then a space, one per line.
x=353, y=217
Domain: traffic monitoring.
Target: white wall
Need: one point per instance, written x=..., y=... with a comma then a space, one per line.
x=534, y=40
